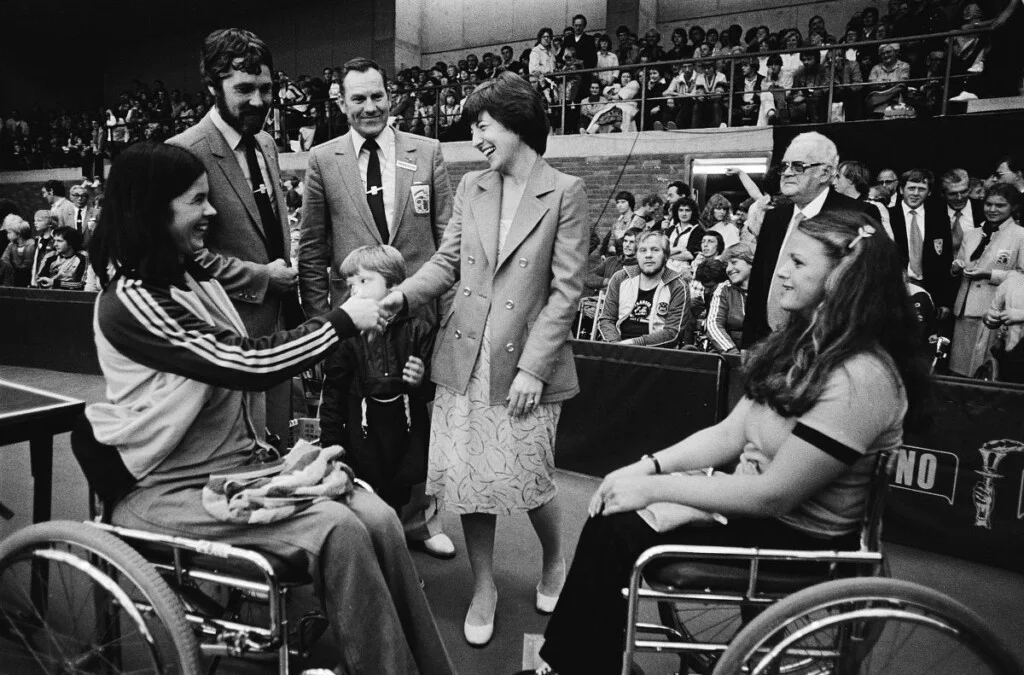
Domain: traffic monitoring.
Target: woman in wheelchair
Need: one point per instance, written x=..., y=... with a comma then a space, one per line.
x=823, y=396
x=179, y=369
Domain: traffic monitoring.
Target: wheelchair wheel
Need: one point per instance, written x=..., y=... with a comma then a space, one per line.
x=74, y=599
x=864, y=626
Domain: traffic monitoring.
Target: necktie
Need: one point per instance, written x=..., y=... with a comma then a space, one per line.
x=375, y=189
x=79, y=219
x=957, y=230
x=261, y=193
x=986, y=237
x=776, y=315
x=916, y=244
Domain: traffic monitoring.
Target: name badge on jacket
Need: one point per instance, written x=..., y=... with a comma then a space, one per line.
x=420, y=199
x=937, y=243
x=1003, y=257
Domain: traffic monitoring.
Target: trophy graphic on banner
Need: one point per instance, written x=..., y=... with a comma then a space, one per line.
x=992, y=455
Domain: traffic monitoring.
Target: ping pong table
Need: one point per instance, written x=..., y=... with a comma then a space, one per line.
x=34, y=415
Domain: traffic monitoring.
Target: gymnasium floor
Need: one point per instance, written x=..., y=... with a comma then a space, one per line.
x=996, y=594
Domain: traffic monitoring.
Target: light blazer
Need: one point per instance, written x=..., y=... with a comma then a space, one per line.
x=1004, y=254
x=64, y=210
x=530, y=292
x=236, y=245
x=336, y=218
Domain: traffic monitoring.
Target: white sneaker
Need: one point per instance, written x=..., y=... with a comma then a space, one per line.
x=964, y=96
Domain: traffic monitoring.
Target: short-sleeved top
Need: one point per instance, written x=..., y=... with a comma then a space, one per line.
x=859, y=414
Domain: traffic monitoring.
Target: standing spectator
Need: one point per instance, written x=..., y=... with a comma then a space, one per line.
x=606, y=59
x=84, y=214
x=652, y=51
x=627, y=52
x=517, y=248
x=44, y=224
x=1011, y=171
x=679, y=50
x=55, y=194
x=725, y=312
x=986, y=256
x=64, y=266
x=17, y=259
x=853, y=179
x=646, y=305
x=374, y=186
x=542, y=59
x=808, y=167
x=888, y=180
x=921, y=231
x=247, y=248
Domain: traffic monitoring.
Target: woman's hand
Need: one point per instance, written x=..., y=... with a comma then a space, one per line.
x=524, y=394
x=644, y=467
x=977, y=274
x=624, y=495
x=1011, y=316
x=957, y=268
x=393, y=302
x=412, y=375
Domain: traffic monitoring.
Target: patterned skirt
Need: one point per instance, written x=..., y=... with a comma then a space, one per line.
x=481, y=459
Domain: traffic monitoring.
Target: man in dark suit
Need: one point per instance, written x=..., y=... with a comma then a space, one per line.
x=586, y=52
x=964, y=213
x=373, y=186
x=921, y=230
x=809, y=166
x=247, y=247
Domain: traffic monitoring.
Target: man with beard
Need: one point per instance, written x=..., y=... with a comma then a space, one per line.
x=808, y=167
x=247, y=247
x=647, y=305
x=374, y=186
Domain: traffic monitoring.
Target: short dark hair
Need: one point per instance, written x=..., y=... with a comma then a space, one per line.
x=515, y=105
x=715, y=235
x=622, y=29
x=545, y=29
x=1013, y=163
x=56, y=187
x=652, y=199
x=71, y=236
x=869, y=10
x=361, y=64
x=223, y=48
x=712, y=270
x=628, y=197
x=858, y=174
x=133, y=233
x=580, y=16
x=774, y=60
x=633, y=232
x=1007, y=192
x=917, y=176
x=681, y=187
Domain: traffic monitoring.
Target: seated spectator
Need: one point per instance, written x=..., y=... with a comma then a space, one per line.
x=706, y=279
x=450, y=111
x=649, y=215
x=753, y=105
x=64, y=267
x=678, y=111
x=724, y=325
x=887, y=78
x=853, y=179
x=627, y=52
x=44, y=223
x=709, y=104
x=790, y=60
x=808, y=100
x=849, y=84
x=618, y=114
x=593, y=103
x=647, y=305
x=598, y=278
x=16, y=262
x=679, y=50
x=711, y=246
x=777, y=87
x=655, y=86
x=624, y=204
x=717, y=217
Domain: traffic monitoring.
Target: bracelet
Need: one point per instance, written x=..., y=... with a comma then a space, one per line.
x=657, y=464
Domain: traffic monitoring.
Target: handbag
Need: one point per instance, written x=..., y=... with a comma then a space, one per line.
x=613, y=116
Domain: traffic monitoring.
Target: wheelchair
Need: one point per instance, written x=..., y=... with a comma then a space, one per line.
x=97, y=598
x=706, y=594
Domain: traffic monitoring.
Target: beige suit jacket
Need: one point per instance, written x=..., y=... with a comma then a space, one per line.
x=530, y=292
x=1004, y=254
x=236, y=245
x=336, y=218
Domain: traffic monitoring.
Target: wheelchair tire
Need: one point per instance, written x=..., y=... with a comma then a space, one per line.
x=853, y=622
x=75, y=599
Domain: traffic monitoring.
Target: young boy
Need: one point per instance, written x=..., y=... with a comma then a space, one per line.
x=376, y=392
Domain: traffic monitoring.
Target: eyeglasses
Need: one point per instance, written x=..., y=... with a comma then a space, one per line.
x=891, y=181
x=798, y=167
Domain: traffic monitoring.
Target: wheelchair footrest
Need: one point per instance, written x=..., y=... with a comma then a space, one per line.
x=306, y=631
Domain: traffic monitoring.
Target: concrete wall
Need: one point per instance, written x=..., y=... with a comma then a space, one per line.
x=776, y=14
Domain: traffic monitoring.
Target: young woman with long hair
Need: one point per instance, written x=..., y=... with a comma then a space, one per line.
x=824, y=395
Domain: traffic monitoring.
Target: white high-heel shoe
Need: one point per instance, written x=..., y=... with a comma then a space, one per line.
x=545, y=604
x=479, y=636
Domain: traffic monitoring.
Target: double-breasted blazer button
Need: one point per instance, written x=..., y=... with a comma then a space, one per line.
x=466, y=291
x=509, y=304
x=510, y=347
x=522, y=262
x=458, y=333
x=470, y=259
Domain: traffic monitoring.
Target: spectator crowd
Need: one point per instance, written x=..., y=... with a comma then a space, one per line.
x=732, y=79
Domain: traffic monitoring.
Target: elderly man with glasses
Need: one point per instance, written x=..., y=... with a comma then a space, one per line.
x=808, y=168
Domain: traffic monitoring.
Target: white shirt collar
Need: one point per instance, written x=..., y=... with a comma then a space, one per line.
x=230, y=134
x=906, y=210
x=386, y=140
x=813, y=208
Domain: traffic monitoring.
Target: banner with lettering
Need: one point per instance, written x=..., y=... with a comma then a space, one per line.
x=958, y=488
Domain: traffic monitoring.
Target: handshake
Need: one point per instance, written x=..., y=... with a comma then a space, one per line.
x=372, y=316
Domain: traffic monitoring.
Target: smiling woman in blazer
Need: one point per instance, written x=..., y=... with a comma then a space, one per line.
x=515, y=251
